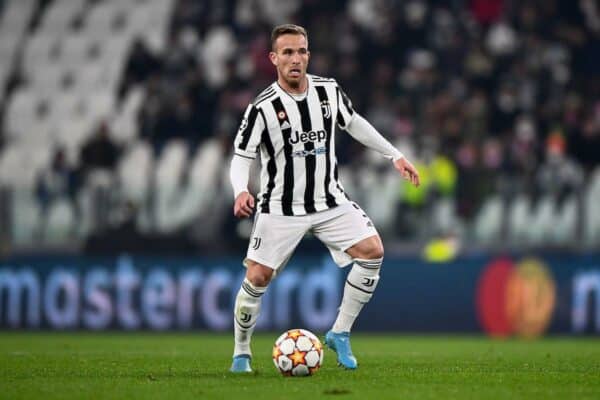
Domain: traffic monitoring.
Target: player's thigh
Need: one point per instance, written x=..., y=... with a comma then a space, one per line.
x=344, y=227
x=274, y=238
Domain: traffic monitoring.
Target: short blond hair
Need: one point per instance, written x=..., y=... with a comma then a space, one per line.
x=287, y=29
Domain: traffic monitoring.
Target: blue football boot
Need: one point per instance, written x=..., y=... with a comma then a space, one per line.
x=241, y=364
x=340, y=343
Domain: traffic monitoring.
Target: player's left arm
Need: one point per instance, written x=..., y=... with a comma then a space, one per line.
x=361, y=130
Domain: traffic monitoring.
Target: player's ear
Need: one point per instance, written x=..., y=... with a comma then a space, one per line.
x=273, y=58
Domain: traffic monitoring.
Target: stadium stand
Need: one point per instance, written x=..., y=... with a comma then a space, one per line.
x=499, y=109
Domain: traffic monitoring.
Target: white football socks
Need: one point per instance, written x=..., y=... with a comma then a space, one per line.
x=247, y=309
x=358, y=290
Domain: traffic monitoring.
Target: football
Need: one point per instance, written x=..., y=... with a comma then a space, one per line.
x=297, y=352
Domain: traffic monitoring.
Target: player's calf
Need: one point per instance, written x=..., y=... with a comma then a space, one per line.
x=358, y=290
x=246, y=312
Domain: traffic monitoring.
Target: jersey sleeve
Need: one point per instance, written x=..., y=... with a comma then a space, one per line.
x=345, y=109
x=249, y=133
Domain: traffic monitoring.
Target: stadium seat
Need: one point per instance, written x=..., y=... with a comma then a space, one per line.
x=382, y=195
x=518, y=219
x=60, y=222
x=206, y=166
x=177, y=206
x=16, y=16
x=542, y=221
x=26, y=216
x=9, y=44
x=40, y=50
x=591, y=216
x=74, y=50
x=60, y=15
x=487, y=226
x=101, y=18
x=134, y=171
x=22, y=108
x=20, y=164
x=124, y=126
x=594, y=182
x=564, y=227
x=170, y=165
x=50, y=81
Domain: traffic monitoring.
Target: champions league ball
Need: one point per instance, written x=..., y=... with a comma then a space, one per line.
x=297, y=352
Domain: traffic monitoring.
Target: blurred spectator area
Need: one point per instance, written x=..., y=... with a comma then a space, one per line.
x=117, y=117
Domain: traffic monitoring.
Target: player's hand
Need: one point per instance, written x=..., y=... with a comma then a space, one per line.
x=244, y=205
x=408, y=171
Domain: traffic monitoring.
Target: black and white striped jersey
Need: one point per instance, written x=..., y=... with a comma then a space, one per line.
x=296, y=140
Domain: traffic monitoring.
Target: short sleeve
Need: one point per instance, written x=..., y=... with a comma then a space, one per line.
x=345, y=109
x=249, y=133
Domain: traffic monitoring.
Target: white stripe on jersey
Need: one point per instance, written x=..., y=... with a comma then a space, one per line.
x=297, y=145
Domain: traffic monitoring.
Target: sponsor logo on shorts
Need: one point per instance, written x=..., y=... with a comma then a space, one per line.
x=256, y=244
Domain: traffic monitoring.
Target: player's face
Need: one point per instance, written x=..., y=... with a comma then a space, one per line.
x=290, y=56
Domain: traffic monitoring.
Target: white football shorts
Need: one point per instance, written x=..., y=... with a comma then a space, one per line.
x=275, y=237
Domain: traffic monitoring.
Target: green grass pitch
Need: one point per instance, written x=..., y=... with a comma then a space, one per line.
x=195, y=366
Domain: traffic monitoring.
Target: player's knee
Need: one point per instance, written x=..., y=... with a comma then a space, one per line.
x=258, y=274
x=372, y=250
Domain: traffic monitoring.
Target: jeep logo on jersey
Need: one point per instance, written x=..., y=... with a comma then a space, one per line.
x=326, y=109
x=311, y=136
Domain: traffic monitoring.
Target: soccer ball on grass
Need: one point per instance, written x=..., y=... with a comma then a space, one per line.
x=297, y=352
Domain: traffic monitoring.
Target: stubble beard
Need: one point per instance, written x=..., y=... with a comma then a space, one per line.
x=295, y=83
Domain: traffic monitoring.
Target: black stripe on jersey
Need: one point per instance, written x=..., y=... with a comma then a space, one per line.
x=310, y=160
x=340, y=117
x=288, y=172
x=346, y=101
x=271, y=170
x=247, y=131
x=328, y=124
x=263, y=97
x=241, y=155
x=317, y=78
x=267, y=90
x=337, y=181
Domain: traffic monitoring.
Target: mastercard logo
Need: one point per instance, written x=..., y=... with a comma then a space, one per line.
x=515, y=298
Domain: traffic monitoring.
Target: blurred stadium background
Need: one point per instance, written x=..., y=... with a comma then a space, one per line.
x=116, y=124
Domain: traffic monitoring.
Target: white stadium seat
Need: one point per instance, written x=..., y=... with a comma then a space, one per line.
x=134, y=170
x=564, y=229
x=39, y=50
x=74, y=50
x=59, y=16
x=26, y=216
x=487, y=226
x=21, y=163
x=591, y=216
x=16, y=16
x=542, y=221
x=60, y=222
x=171, y=163
x=518, y=219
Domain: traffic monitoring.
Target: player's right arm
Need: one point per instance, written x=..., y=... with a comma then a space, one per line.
x=245, y=150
